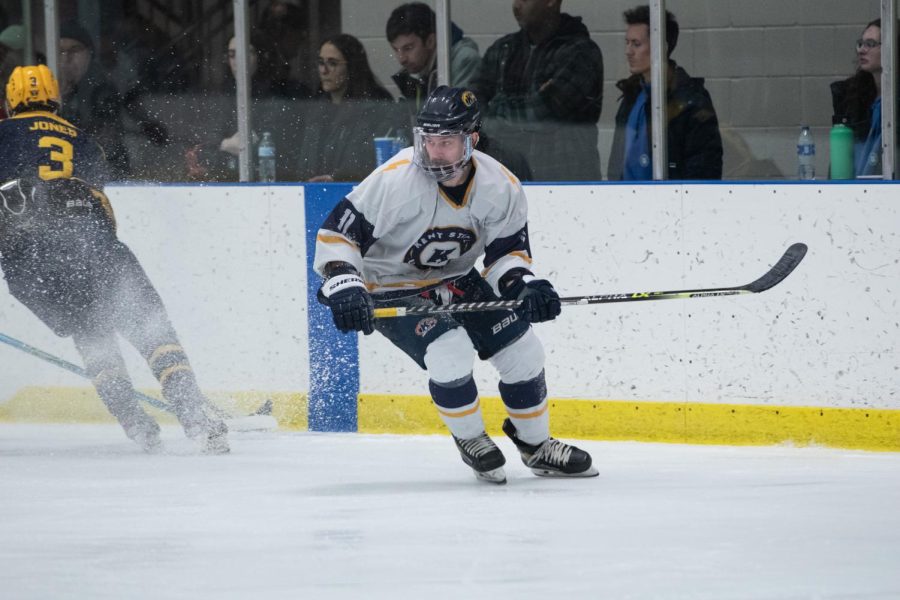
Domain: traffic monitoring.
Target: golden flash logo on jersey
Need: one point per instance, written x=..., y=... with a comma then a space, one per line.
x=437, y=247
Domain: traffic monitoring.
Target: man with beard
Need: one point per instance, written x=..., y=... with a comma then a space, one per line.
x=409, y=236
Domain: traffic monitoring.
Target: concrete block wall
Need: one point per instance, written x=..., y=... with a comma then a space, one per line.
x=767, y=63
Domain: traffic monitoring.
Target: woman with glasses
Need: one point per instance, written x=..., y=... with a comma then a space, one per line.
x=858, y=99
x=350, y=109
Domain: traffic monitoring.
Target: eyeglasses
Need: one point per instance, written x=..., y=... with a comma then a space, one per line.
x=330, y=63
x=869, y=44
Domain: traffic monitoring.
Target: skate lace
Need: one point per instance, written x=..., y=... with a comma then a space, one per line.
x=477, y=446
x=553, y=452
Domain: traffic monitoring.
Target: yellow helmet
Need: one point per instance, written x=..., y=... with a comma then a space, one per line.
x=32, y=87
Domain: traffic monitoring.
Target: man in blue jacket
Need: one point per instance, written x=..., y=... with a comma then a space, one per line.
x=694, y=143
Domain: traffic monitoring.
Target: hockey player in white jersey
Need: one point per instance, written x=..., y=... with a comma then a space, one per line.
x=410, y=234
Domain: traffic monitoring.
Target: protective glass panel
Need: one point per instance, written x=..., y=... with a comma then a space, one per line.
x=771, y=69
x=151, y=80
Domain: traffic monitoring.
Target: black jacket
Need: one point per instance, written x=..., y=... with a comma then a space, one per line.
x=694, y=143
x=545, y=101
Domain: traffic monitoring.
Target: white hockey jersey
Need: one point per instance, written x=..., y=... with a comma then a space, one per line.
x=401, y=231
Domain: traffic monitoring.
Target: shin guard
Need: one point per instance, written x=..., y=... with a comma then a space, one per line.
x=526, y=403
x=459, y=407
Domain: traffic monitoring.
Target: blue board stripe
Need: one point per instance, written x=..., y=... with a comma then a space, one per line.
x=333, y=356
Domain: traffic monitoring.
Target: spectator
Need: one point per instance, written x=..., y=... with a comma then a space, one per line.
x=543, y=90
x=351, y=108
x=140, y=57
x=694, y=143
x=283, y=29
x=217, y=159
x=411, y=33
x=859, y=99
x=92, y=102
x=262, y=85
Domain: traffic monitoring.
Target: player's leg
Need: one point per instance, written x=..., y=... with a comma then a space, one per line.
x=515, y=351
x=141, y=318
x=440, y=346
x=61, y=292
x=103, y=362
x=524, y=392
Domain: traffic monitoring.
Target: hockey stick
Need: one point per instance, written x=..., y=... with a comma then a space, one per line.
x=787, y=263
x=240, y=423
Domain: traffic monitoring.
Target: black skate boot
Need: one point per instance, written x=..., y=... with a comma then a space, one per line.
x=485, y=458
x=552, y=458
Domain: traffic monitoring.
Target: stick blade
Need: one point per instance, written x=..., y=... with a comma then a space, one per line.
x=252, y=423
x=785, y=265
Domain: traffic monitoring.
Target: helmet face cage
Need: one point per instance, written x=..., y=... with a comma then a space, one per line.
x=441, y=169
x=446, y=112
x=32, y=87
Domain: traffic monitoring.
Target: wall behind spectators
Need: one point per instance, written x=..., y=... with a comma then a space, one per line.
x=767, y=63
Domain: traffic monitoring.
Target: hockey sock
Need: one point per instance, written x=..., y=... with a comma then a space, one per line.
x=458, y=404
x=106, y=368
x=526, y=403
x=170, y=366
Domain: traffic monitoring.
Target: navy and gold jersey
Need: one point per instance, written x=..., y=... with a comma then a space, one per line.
x=45, y=146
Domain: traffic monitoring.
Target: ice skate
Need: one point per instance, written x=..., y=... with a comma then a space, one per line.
x=485, y=458
x=216, y=438
x=552, y=458
x=145, y=433
x=210, y=431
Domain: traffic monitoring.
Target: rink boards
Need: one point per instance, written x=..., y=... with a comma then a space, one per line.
x=814, y=360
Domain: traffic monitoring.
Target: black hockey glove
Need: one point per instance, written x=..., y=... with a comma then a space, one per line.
x=351, y=305
x=540, y=302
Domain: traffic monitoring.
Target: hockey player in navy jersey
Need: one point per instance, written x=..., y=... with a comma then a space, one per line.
x=410, y=234
x=62, y=259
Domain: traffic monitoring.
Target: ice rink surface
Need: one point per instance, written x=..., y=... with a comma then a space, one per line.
x=84, y=514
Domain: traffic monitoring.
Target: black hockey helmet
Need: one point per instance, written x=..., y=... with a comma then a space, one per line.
x=447, y=112
x=450, y=110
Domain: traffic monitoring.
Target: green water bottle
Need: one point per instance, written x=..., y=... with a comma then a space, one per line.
x=841, y=141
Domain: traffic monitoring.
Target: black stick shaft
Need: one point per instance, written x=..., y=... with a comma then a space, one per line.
x=785, y=265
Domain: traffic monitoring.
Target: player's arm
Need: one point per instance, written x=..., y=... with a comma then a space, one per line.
x=92, y=166
x=341, y=243
x=345, y=237
x=508, y=263
x=506, y=236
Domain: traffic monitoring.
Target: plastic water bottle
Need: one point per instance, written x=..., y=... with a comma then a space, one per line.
x=806, y=155
x=266, y=156
x=841, y=151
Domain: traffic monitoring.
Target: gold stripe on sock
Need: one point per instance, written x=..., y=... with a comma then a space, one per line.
x=464, y=413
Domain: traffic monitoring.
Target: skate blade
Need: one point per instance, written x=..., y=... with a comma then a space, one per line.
x=590, y=472
x=496, y=476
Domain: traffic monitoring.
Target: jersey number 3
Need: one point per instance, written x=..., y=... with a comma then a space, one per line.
x=61, y=154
